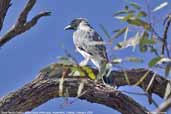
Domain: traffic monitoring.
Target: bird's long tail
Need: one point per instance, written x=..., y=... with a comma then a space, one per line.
x=104, y=73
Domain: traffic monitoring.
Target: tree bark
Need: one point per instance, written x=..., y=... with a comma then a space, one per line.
x=41, y=90
x=22, y=25
x=4, y=5
x=47, y=86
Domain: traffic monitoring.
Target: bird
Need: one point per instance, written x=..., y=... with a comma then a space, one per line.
x=91, y=46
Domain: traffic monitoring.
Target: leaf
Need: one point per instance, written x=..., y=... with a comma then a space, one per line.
x=105, y=31
x=154, y=61
x=66, y=60
x=135, y=5
x=120, y=32
x=77, y=71
x=134, y=59
x=168, y=69
x=52, y=69
x=126, y=33
x=167, y=90
x=139, y=22
x=164, y=61
x=141, y=14
x=129, y=16
x=119, y=17
x=127, y=43
x=90, y=72
x=162, y=5
x=123, y=12
x=116, y=60
x=146, y=42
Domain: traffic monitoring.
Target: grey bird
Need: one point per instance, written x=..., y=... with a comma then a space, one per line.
x=90, y=45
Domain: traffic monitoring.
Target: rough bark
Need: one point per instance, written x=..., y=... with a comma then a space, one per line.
x=4, y=5
x=46, y=87
x=41, y=90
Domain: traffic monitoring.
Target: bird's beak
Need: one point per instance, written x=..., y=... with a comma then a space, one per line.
x=67, y=27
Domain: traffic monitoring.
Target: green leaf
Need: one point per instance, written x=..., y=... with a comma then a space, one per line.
x=129, y=16
x=154, y=61
x=120, y=12
x=139, y=22
x=135, y=5
x=141, y=14
x=145, y=41
x=134, y=59
x=123, y=12
x=105, y=31
x=120, y=32
x=126, y=8
x=90, y=72
x=77, y=70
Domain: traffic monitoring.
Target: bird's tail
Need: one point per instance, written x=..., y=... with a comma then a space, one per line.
x=104, y=73
x=108, y=69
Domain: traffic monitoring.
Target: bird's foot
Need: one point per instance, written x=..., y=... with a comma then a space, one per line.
x=97, y=81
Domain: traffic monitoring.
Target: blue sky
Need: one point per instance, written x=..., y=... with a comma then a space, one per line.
x=23, y=57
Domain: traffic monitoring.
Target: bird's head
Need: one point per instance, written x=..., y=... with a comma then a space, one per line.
x=76, y=23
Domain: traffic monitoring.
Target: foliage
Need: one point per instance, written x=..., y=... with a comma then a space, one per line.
x=139, y=21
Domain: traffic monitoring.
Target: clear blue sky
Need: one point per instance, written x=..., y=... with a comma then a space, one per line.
x=22, y=58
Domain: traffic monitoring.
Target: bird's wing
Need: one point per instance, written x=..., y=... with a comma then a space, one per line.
x=91, y=43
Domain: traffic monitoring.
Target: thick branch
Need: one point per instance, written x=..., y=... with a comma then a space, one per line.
x=42, y=89
x=46, y=87
x=4, y=5
x=158, y=85
x=22, y=25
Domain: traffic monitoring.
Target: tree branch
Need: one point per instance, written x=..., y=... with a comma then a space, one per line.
x=4, y=6
x=22, y=25
x=167, y=21
x=164, y=106
x=43, y=89
x=134, y=75
x=46, y=87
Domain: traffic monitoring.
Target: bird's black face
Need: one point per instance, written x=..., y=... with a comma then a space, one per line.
x=74, y=24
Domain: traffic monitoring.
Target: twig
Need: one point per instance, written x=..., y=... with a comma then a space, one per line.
x=164, y=106
x=164, y=46
x=22, y=25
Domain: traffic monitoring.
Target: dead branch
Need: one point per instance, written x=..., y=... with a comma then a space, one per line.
x=22, y=25
x=164, y=106
x=167, y=21
x=43, y=89
x=4, y=6
x=46, y=87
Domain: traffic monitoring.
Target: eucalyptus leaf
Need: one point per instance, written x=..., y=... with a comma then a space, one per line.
x=154, y=61
x=120, y=32
x=141, y=14
x=105, y=31
x=139, y=22
x=129, y=42
x=162, y=5
x=134, y=59
x=135, y=5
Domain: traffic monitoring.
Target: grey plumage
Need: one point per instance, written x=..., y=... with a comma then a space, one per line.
x=89, y=43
